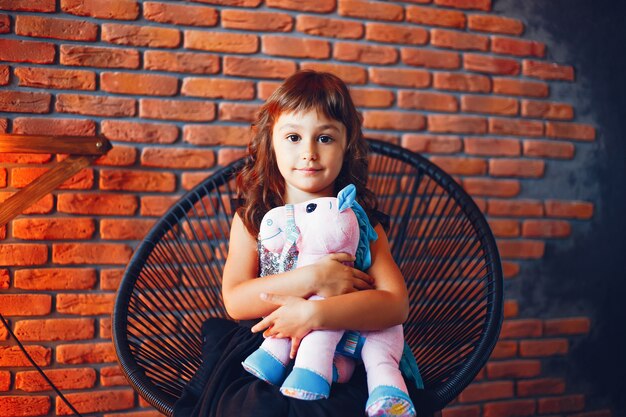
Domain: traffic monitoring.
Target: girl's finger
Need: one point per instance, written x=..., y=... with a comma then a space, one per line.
x=342, y=257
x=262, y=325
x=362, y=276
x=295, y=344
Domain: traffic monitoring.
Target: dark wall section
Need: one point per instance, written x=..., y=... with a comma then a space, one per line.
x=587, y=275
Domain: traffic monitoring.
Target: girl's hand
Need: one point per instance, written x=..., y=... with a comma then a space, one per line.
x=293, y=319
x=333, y=277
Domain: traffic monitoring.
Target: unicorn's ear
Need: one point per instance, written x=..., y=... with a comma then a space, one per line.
x=346, y=197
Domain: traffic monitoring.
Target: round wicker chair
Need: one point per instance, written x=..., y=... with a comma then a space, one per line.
x=438, y=237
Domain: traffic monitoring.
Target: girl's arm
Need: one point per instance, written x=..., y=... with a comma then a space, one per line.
x=241, y=291
x=375, y=309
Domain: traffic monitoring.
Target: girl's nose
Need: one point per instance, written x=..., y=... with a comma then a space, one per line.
x=309, y=156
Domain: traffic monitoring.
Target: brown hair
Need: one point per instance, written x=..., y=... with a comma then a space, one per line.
x=260, y=183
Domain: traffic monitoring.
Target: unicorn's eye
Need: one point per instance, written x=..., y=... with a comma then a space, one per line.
x=310, y=208
x=269, y=222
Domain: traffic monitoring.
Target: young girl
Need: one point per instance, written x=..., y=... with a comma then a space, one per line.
x=307, y=143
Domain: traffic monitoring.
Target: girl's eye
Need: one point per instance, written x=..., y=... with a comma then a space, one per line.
x=325, y=139
x=293, y=138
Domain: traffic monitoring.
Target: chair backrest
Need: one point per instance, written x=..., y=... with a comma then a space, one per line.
x=438, y=237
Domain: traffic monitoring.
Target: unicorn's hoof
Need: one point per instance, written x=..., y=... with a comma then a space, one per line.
x=265, y=366
x=389, y=401
x=305, y=385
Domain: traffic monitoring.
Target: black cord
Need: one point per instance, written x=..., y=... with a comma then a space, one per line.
x=37, y=366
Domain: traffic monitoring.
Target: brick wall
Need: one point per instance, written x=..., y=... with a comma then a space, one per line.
x=174, y=86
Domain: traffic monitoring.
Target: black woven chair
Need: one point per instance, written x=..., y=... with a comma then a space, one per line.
x=438, y=237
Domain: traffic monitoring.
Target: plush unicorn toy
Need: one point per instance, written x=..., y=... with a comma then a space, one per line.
x=318, y=227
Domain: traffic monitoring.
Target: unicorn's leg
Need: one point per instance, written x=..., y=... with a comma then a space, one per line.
x=388, y=395
x=270, y=360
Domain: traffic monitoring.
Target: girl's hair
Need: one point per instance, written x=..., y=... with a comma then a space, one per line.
x=260, y=183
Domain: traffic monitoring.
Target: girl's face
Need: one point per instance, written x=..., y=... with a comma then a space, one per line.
x=309, y=151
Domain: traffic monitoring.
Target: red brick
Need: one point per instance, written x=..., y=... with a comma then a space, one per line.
x=541, y=348
x=68, y=378
x=547, y=110
x=25, y=304
x=114, y=9
x=516, y=408
x=179, y=14
x=484, y=5
x=195, y=63
x=520, y=88
x=156, y=205
x=490, y=64
x=381, y=32
x=372, y=97
x=432, y=143
x=462, y=411
x=373, y=119
x=190, y=179
x=56, y=78
x=21, y=177
x=563, y=404
x=24, y=405
x=24, y=102
x=569, y=209
x=112, y=376
x=334, y=28
x=105, y=328
x=110, y=279
x=5, y=380
x=546, y=228
x=92, y=56
x=85, y=304
x=427, y=101
x=125, y=229
x=95, y=105
x=53, y=229
x=90, y=253
x=462, y=82
x=430, y=58
x=239, y=43
x=514, y=369
x=44, y=205
x=183, y=158
x=45, y=6
x=238, y=112
x=456, y=124
x=370, y=10
x=544, y=149
x=547, y=71
x=150, y=36
x=521, y=249
x=460, y=166
x=492, y=146
x=510, y=269
x=504, y=227
x=96, y=401
x=55, y=279
x=523, y=168
x=228, y=155
x=504, y=349
x=102, y=204
x=256, y=20
x=495, y=24
x=55, y=127
x=118, y=156
x=431, y=16
x=350, y=74
x=515, y=127
x=458, y=40
x=400, y=77
x=46, y=27
x=567, y=326
x=295, y=47
x=543, y=386
x=258, y=67
x=489, y=104
x=185, y=110
x=124, y=131
x=5, y=76
x=235, y=3
x=320, y=6
x=137, y=181
x=130, y=83
x=517, y=47
x=12, y=356
x=203, y=135
x=575, y=131
x=17, y=254
x=491, y=188
x=218, y=88
x=54, y=329
x=515, y=208
x=5, y=280
x=487, y=391
x=27, y=51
